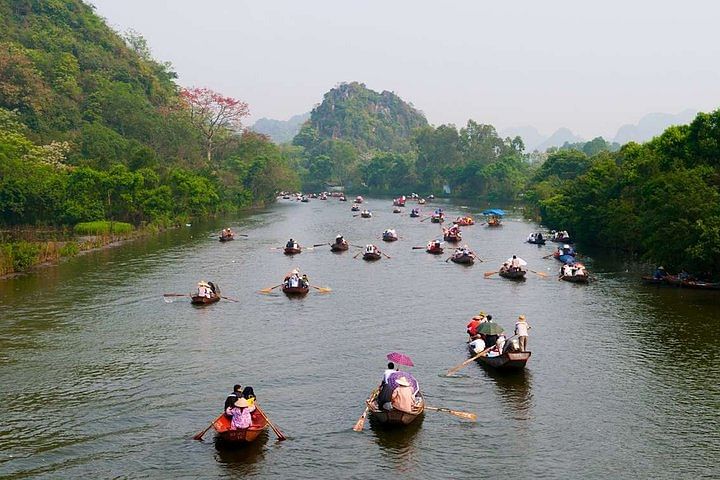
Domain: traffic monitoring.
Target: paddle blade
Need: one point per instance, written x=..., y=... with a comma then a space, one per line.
x=466, y=415
x=489, y=274
x=361, y=422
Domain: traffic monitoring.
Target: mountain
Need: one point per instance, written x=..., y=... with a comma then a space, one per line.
x=652, y=125
x=280, y=131
x=559, y=138
x=529, y=134
x=366, y=119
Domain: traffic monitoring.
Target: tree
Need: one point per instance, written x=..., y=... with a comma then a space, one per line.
x=212, y=114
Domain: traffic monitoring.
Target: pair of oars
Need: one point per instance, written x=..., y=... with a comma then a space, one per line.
x=540, y=274
x=280, y=436
x=458, y=413
x=470, y=360
x=319, y=289
x=188, y=295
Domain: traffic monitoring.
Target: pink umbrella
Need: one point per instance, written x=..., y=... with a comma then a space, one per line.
x=400, y=358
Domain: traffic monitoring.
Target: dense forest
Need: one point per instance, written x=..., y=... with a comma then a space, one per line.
x=660, y=199
x=93, y=128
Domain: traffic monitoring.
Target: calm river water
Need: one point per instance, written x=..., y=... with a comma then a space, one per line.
x=102, y=378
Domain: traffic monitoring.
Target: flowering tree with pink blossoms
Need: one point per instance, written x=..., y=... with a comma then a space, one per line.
x=213, y=113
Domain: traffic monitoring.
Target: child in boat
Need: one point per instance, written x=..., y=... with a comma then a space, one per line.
x=241, y=414
x=249, y=394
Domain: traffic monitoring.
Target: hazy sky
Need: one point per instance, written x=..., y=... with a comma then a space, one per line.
x=589, y=66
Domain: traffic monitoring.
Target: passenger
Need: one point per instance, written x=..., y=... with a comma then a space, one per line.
x=474, y=323
x=339, y=240
x=232, y=397
x=488, y=318
x=213, y=288
x=500, y=343
x=249, y=394
x=660, y=273
x=204, y=290
x=391, y=368
x=290, y=244
x=241, y=414
x=305, y=280
x=539, y=237
x=515, y=263
x=521, y=330
x=402, y=397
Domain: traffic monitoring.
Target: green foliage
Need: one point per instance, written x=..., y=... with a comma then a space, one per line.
x=70, y=249
x=660, y=199
x=23, y=255
x=103, y=228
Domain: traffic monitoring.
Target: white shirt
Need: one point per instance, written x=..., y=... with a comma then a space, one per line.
x=521, y=328
x=386, y=375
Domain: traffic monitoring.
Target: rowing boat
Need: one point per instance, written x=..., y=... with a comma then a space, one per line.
x=512, y=274
x=227, y=238
x=577, y=278
x=202, y=300
x=394, y=417
x=371, y=256
x=292, y=250
x=464, y=258
x=507, y=361
x=339, y=247
x=245, y=435
x=298, y=291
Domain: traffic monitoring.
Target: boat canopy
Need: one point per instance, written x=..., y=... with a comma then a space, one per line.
x=494, y=211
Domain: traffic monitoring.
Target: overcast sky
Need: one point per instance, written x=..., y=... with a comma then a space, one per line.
x=589, y=66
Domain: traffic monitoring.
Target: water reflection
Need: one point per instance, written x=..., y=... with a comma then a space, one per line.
x=399, y=444
x=241, y=459
x=515, y=389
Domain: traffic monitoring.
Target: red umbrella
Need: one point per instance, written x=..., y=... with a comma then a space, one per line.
x=400, y=358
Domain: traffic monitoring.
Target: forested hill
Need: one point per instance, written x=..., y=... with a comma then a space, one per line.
x=93, y=128
x=366, y=119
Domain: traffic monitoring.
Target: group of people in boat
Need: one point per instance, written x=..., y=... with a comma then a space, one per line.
x=398, y=390
x=227, y=233
x=239, y=405
x=292, y=244
x=495, y=344
x=514, y=264
x=561, y=236
x=572, y=270
x=536, y=237
x=295, y=280
x=207, y=289
x=340, y=240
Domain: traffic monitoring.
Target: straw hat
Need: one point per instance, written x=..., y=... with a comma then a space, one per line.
x=241, y=403
x=521, y=317
x=203, y=283
x=479, y=316
x=402, y=381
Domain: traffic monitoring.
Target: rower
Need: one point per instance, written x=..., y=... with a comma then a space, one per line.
x=290, y=244
x=339, y=240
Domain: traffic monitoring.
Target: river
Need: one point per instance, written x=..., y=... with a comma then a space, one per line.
x=103, y=378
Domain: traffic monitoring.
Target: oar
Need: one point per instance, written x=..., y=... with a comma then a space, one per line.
x=419, y=248
x=228, y=298
x=548, y=256
x=270, y=289
x=361, y=421
x=198, y=436
x=356, y=255
x=277, y=431
x=448, y=259
x=386, y=255
x=423, y=219
x=320, y=244
x=540, y=274
x=176, y=295
x=356, y=246
x=490, y=274
x=457, y=413
x=470, y=360
x=322, y=289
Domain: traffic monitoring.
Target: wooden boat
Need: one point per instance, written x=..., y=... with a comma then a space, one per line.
x=434, y=250
x=305, y=199
x=286, y=197
x=227, y=238
x=323, y=197
x=464, y=259
x=295, y=291
x=200, y=300
x=359, y=199
x=414, y=213
x=372, y=256
x=399, y=202
x=674, y=281
x=701, y=285
x=535, y=240
x=355, y=208
x=452, y=237
x=513, y=275
x=366, y=214
x=389, y=236
x=397, y=210
x=465, y=221
x=559, y=239
x=339, y=247
x=576, y=278
x=343, y=198
x=313, y=195
x=435, y=218
x=494, y=222
x=394, y=417
x=421, y=201
x=292, y=250
x=564, y=258
x=507, y=361
x=245, y=435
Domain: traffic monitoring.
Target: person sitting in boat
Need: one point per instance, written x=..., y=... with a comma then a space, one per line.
x=339, y=240
x=567, y=250
x=515, y=264
x=370, y=248
x=291, y=244
x=660, y=273
x=232, y=397
x=565, y=271
x=213, y=288
x=684, y=275
x=539, y=237
x=391, y=368
x=204, y=290
x=249, y=394
x=240, y=413
x=403, y=397
x=474, y=324
x=305, y=280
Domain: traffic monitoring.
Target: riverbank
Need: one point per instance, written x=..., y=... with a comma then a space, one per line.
x=22, y=256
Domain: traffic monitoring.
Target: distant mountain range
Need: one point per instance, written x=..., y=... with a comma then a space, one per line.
x=649, y=126
x=280, y=131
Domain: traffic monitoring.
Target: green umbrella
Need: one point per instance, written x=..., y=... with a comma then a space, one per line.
x=490, y=328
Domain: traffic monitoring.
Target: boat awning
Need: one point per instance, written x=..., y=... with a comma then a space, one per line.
x=494, y=211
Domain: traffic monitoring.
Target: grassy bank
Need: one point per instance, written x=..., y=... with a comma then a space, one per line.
x=20, y=255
